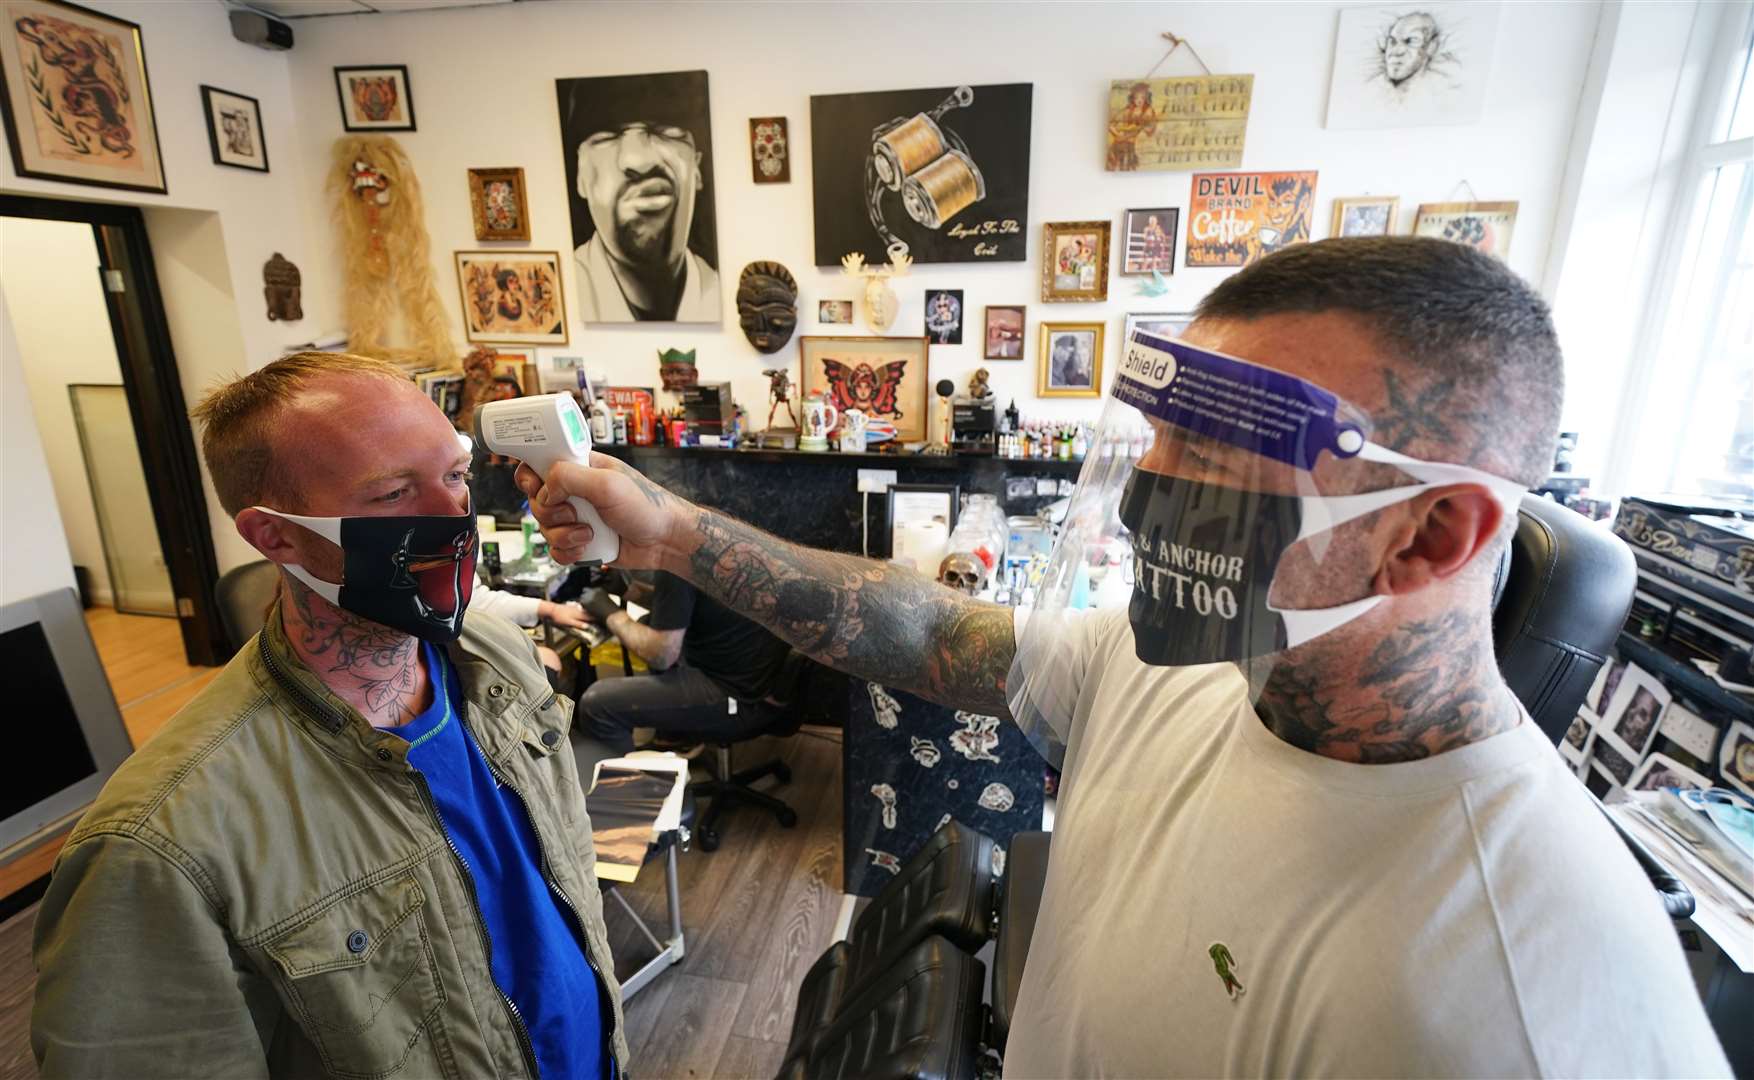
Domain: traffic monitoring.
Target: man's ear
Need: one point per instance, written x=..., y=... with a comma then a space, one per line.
x=1442, y=533
x=268, y=534
x=699, y=177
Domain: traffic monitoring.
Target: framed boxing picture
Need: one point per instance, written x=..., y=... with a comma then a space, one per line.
x=882, y=377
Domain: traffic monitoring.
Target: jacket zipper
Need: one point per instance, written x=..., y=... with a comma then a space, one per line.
x=517, y=1018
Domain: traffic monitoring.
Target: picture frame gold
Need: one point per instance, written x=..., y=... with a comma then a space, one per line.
x=867, y=379
x=1483, y=226
x=512, y=297
x=1074, y=261
x=1364, y=210
x=504, y=186
x=1076, y=373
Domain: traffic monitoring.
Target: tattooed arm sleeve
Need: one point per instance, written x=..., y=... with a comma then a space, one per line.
x=878, y=621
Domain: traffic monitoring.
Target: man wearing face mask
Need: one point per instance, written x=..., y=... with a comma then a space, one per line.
x=363, y=849
x=1304, y=827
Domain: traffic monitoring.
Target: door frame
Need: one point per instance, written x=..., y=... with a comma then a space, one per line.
x=155, y=401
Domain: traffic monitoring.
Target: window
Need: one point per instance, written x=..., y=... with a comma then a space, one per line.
x=1694, y=430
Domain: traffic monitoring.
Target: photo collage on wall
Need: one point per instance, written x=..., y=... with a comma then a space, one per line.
x=1625, y=715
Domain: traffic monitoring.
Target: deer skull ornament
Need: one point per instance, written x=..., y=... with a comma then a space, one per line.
x=879, y=299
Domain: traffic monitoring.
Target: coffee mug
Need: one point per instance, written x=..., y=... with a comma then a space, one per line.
x=818, y=420
x=852, y=432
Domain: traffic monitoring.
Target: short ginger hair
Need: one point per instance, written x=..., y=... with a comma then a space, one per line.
x=237, y=420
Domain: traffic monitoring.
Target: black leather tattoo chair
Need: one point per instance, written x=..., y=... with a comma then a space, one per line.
x=894, y=1000
x=244, y=595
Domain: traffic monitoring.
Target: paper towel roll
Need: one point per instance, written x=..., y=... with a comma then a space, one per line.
x=922, y=545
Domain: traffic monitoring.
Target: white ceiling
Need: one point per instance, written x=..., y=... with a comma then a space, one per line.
x=307, y=9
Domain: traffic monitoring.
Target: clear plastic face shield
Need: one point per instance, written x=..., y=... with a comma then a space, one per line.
x=1227, y=540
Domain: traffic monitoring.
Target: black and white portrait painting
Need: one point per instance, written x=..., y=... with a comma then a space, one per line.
x=639, y=174
x=940, y=175
x=1407, y=65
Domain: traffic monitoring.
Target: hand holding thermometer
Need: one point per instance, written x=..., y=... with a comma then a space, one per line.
x=540, y=431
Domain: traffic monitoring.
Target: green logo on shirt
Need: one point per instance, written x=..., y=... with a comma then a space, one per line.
x=1225, y=964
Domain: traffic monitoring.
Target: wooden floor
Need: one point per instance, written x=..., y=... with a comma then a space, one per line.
x=756, y=913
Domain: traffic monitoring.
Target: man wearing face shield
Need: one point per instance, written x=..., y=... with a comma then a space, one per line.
x=363, y=848
x=1304, y=827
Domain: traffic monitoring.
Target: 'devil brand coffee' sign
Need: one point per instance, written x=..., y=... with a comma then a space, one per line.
x=1235, y=219
x=940, y=175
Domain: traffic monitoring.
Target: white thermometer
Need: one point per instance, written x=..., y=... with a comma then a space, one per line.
x=540, y=431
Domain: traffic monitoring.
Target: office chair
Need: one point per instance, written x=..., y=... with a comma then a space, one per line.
x=244, y=595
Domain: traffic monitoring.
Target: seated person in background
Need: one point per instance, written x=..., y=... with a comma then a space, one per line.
x=1353, y=855
x=701, y=654
x=362, y=850
x=527, y=611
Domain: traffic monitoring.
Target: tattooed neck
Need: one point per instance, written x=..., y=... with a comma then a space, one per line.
x=1431, y=686
x=375, y=669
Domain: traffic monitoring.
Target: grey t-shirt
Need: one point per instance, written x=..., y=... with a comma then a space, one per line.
x=1220, y=903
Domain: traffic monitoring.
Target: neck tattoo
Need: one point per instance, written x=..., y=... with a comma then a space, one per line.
x=375, y=669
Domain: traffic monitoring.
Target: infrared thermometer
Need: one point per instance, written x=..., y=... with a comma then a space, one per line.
x=540, y=431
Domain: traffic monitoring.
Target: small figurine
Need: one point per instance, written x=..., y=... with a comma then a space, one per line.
x=677, y=370
x=779, y=392
x=978, y=390
x=280, y=286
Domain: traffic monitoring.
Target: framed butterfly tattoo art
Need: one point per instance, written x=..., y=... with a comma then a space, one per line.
x=883, y=377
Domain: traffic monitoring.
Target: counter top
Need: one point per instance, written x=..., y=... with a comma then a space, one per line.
x=832, y=457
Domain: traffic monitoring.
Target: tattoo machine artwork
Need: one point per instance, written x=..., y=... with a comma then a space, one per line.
x=879, y=298
x=540, y=431
x=928, y=163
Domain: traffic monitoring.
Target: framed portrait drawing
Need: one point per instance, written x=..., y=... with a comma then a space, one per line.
x=1069, y=363
x=1148, y=241
x=658, y=263
x=834, y=312
x=512, y=298
x=1003, y=339
x=76, y=102
x=882, y=377
x=1367, y=215
x=1235, y=219
x=1074, y=261
x=234, y=129
x=770, y=152
x=1168, y=324
x=944, y=316
x=497, y=204
x=1412, y=66
x=1483, y=226
x=375, y=98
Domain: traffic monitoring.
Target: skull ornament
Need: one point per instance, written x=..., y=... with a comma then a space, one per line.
x=767, y=141
x=961, y=570
x=997, y=797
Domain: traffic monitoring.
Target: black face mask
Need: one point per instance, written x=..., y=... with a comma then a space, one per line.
x=413, y=574
x=1203, y=562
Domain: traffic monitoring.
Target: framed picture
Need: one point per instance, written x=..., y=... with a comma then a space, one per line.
x=1483, y=226
x=940, y=174
x=375, y=98
x=1412, y=66
x=1367, y=215
x=770, y=153
x=516, y=369
x=497, y=204
x=1661, y=771
x=944, y=316
x=77, y=103
x=882, y=377
x=1634, y=712
x=512, y=298
x=677, y=219
x=1074, y=261
x=1069, y=363
x=1148, y=241
x=1158, y=324
x=1004, y=332
x=1235, y=219
x=834, y=312
x=921, y=519
x=1190, y=122
x=234, y=129
x=1735, y=757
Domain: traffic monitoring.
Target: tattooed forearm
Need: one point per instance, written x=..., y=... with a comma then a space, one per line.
x=880, y=622
x=1420, y=692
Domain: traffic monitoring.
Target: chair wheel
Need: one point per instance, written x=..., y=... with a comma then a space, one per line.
x=787, y=817
x=709, y=839
x=782, y=773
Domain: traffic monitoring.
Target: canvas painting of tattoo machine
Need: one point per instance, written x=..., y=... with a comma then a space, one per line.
x=883, y=378
x=938, y=175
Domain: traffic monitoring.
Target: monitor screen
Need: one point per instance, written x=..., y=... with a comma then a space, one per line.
x=59, y=756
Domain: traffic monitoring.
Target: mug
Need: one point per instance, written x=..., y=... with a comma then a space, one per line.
x=852, y=432
x=818, y=419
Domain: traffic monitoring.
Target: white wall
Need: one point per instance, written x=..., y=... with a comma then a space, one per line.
x=483, y=84
x=33, y=545
x=48, y=270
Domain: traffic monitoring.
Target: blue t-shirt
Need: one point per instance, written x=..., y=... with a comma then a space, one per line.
x=538, y=950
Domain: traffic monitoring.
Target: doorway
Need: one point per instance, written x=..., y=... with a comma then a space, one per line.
x=103, y=381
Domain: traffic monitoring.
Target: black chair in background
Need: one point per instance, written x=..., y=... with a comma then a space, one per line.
x=244, y=595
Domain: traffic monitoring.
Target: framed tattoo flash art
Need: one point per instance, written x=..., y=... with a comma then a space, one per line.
x=1074, y=261
x=234, y=129
x=1069, y=360
x=375, y=98
x=882, y=377
x=76, y=102
x=1483, y=226
x=497, y=204
x=1148, y=243
x=1367, y=215
x=939, y=174
x=512, y=298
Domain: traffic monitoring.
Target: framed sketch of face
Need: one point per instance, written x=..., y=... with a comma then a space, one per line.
x=1366, y=215
x=1074, y=261
x=234, y=129
x=1069, y=361
x=1162, y=324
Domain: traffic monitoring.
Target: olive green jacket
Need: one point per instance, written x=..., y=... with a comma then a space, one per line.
x=264, y=890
